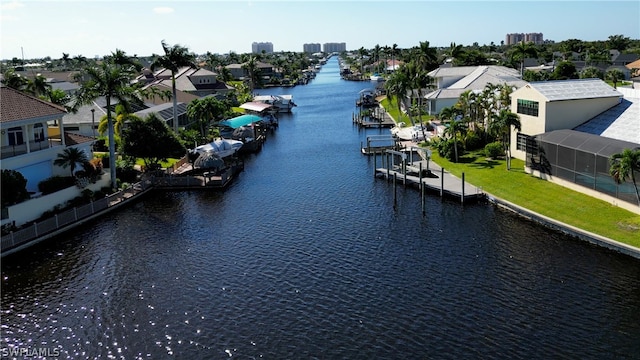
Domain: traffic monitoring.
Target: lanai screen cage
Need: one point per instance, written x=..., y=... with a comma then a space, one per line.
x=581, y=158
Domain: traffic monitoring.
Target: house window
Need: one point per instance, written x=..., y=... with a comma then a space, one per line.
x=527, y=107
x=526, y=143
x=15, y=136
x=72, y=128
x=38, y=133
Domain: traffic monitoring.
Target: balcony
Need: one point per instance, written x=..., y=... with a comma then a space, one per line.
x=16, y=150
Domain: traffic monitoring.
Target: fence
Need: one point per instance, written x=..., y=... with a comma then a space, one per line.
x=70, y=217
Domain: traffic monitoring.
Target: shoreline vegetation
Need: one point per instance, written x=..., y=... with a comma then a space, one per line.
x=538, y=195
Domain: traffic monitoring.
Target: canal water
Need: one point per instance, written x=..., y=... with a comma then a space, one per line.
x=305, y=257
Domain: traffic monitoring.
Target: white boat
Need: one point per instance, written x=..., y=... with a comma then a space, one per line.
x=376, y=77
x=220, y=147
x=283, y=103
x=410, y=133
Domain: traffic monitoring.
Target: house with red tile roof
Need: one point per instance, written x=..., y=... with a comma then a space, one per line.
x=30, y=145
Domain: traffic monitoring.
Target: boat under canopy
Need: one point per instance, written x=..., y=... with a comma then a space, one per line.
x=242, y=120
x=256, y=106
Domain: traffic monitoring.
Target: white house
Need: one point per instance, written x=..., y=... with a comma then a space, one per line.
x=451, y=82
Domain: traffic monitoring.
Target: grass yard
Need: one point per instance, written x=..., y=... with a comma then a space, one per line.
x=546, y=198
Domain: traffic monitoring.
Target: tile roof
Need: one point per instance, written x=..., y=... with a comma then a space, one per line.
x=75, y=139
x=16, y=105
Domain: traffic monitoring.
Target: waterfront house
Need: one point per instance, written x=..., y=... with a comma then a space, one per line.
x=30, y=145
x=239, y=72
x=570, y=129
x=553, y=105
x=451, y=82
x=199, y=82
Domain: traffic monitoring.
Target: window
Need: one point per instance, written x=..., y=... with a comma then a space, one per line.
x=72, y=128
x=15, y=136
x=527, y=107
x=38, y=133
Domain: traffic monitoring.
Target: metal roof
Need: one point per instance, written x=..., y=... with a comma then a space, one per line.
x=558, y=90
x=589, y=143
x=242, y=120
x=620, y=122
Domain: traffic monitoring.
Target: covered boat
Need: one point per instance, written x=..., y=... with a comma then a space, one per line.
x=283, y=103
x=220, y=147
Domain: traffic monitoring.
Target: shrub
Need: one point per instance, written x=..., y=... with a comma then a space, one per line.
x=55, y=183
x=446, y=148
x=474, y=140
x=14, y=187
x=494, y=150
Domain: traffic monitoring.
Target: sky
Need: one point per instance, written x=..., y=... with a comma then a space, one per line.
x=33, y=29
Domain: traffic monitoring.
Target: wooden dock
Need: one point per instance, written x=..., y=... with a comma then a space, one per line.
x=205, y=181
x=428, y=174
x=375, y=117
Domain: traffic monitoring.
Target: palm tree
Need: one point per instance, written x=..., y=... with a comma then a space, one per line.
x=253, y=72
x=174, y=58
x=205, y=110
x=523, y=49
x=624, y=165
x=70, y=157
x=426, y=56
x=65, y=60
x=615, y=75
x=397, y=86
x=38, y=86
x=13, y=80
x=501, y=127
x=455, y=51
x=110, y=81
x=453, y=129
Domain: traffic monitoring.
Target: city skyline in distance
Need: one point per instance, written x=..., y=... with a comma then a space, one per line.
x=36, y=29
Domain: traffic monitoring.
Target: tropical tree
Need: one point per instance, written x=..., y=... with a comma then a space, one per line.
x=565, y=70
x=521, y=51
x=70, y=158
x=454, y=52
x=113, y=82
x=253, y=72
x=591, y=72
x=624, y=165
x=151, y=140
x=65, y=60
x=501, y=127
x=396, y=87
x=205, y=110
x=453, y=129
x=13, y=80
x=38, y=86
x=615, y=75
x=122, y=116
x=58, y=97
x=175, y=57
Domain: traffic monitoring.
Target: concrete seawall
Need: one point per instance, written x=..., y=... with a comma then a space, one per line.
x=565, y=228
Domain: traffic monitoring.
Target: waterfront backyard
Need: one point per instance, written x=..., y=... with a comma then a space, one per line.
x=541, y=196
x=546, y=198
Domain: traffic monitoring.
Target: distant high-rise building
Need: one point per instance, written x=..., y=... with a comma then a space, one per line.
x=258, y=47
x=334, y=47
x=311, y=48
x=515, y=38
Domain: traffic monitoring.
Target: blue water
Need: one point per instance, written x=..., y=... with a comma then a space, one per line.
x=305, y=257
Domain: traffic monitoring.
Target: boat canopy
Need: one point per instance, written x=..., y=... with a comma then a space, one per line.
x=242, y=120
x=256, y=106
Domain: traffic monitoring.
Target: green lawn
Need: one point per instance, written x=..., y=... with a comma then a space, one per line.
x=546, y=198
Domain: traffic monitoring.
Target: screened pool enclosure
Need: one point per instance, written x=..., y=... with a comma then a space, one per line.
x=581, y=158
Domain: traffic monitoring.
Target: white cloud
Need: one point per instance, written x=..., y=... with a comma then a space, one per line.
x=11, y=6
x=163, y=10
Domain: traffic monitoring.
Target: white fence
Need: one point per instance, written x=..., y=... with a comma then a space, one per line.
x=70, y=217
